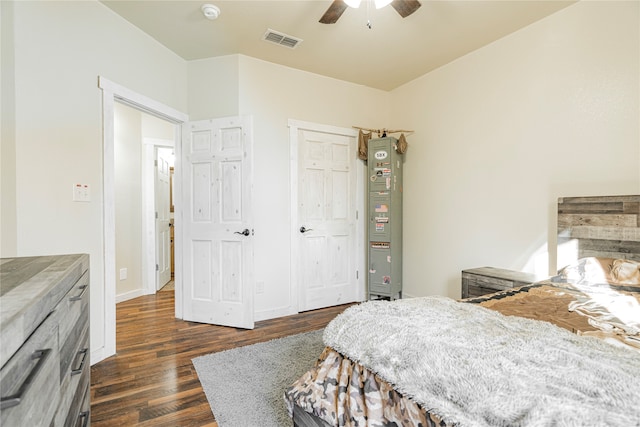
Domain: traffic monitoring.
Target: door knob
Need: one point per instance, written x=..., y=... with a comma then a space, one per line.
x=244, y=232
x=303, y=229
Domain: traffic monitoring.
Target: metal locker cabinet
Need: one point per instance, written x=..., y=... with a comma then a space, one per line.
x=384, y=166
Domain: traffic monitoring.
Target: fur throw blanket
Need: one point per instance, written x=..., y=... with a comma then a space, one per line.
x=476, y=367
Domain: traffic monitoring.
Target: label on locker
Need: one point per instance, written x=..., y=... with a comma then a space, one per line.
x=381, y=207
x=379, y=226
x=380, y=245
x=382, y=219
x=380, y=155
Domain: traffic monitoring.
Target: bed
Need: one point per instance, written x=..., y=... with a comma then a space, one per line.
x=562, y=351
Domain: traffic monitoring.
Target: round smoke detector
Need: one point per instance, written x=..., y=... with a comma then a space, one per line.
x=210, y=11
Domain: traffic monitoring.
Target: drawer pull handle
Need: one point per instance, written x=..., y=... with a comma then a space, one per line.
x=79, y=296
x=84, y=359
x=15, y=399
x=84, y=416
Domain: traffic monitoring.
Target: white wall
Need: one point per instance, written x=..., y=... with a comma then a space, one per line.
x=213, y=87
x=58, y=122
x=551, y=110
x=128, y=200
x=274, y=94
x=8, y=214
x=156, y=128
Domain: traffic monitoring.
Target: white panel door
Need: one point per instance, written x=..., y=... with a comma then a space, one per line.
x=163, y=218
x=326, y=216
x=218, y=243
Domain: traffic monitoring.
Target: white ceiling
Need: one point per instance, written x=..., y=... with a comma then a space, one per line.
x=394, y=51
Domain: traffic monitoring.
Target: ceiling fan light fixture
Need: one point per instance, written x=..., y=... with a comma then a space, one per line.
x=353, y=3
x=210, y=11
x=382, y=3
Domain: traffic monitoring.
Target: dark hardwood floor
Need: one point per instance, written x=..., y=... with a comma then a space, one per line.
x=151, y=380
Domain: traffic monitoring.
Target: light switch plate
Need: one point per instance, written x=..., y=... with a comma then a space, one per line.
x=81, y=193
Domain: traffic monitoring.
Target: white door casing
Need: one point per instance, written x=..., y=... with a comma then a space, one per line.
x=104, y=344
x=327, y=236
x=217, y=220
x=162, y=164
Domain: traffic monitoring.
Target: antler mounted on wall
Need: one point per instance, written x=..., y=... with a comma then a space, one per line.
x=337, y=8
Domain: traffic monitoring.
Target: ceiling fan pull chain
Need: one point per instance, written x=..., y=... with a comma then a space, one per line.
x=369, y=15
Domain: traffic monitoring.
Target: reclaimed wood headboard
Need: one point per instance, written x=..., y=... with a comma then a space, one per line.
x=604, y=226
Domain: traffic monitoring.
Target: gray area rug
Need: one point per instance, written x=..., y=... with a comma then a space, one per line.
x=245, y=386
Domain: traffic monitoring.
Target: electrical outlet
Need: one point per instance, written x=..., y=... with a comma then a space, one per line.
x=259, y=287
x=123, y=274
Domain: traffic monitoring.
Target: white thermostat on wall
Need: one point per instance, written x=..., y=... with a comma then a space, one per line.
x=380, y=155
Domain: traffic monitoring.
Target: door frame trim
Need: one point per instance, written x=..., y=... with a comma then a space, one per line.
x=111, y=93
x=294, y=127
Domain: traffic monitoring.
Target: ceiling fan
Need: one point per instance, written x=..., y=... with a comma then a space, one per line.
x=337, y=8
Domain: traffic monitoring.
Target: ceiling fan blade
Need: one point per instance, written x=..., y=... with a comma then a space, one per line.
x=405, y=7
x=334, y=12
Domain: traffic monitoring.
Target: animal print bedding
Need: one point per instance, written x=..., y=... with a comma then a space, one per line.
x=344, y=393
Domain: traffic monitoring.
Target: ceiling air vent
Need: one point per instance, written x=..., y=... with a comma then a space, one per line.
x=281, y=38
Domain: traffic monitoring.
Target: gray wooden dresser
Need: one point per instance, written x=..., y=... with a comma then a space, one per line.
x=485, y=280
x=44, y=331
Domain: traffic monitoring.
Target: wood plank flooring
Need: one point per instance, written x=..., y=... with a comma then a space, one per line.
x=151, y=380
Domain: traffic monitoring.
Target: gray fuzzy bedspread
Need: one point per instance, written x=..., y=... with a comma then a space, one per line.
x=476, y=367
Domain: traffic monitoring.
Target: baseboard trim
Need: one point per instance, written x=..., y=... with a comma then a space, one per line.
x=129, y=295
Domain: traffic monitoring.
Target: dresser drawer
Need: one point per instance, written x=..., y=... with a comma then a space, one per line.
x=73, y=317
x=81, y=417
x=494, y=283
x=73, y=335
x=30, y=380
x=74, y=381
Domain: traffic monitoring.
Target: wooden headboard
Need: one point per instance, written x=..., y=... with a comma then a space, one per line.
x=604, y=226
